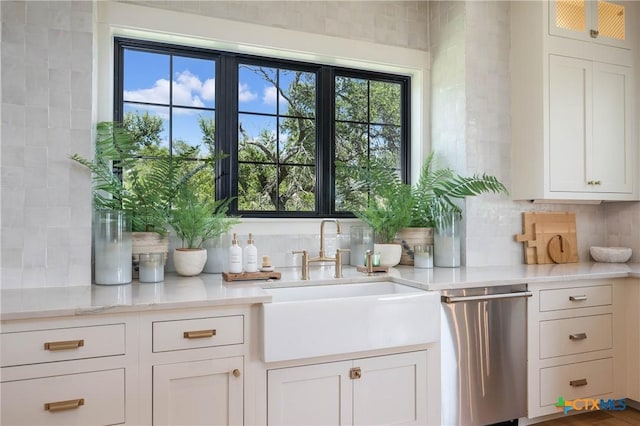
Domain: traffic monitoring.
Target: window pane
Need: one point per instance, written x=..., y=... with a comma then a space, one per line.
x=385, y=145
x=257, y=138
x=149, y=126
x=188, y=131
x=297, y=141
x=257, y=89
x=346, y=194
x=193, y=82
x=352, y=101
x=297, y=188
x=385, y=103
x=150, y=86
x=352, y=143
x=257, y=189
x=299, y=93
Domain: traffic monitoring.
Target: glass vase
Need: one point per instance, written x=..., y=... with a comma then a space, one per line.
x=361, y=241
x=446, y=241
x=113, y=247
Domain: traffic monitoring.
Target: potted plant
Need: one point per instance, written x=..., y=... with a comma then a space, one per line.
x=143, y=191
x=434, y=205
x=387, y=210
x=195, y=220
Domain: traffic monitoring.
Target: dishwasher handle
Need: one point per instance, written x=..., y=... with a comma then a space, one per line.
x=457, y=299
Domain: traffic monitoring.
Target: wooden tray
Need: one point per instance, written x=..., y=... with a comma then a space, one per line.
x=549, y=237
x=362, y=268
x=246, y=276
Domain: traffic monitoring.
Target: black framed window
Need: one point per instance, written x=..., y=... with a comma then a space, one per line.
x=283, y=125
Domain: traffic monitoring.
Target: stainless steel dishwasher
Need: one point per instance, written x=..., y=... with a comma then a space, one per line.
x=484, y=355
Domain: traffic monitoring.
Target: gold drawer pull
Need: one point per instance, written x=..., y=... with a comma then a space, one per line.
x=578, y=298
x=199, y=334
x=578, y=336
x=576, y=383
x=63, y=346
x=71, y=404
x=236, y=373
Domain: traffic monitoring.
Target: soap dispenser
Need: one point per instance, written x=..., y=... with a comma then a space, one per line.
x=250, y=256
x=235, y=256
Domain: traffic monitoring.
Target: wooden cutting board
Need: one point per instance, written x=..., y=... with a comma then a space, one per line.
x=549, y=237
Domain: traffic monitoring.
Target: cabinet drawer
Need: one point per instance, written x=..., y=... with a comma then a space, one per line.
x=32, y=347
x=197, y=333
x=577, y=297
x=95, y=398
x=575, y=335
x=591, y=378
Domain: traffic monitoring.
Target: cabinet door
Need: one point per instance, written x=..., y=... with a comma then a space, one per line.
x=597, y=21
x=612, y=154
x=317, y=394
x=391, y=390
x=199, y=392
x=570, y=117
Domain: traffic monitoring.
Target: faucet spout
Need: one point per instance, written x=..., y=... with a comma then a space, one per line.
x=338, y=232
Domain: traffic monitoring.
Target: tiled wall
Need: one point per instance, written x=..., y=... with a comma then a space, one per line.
x=623, y=227
x=47, y=61
x=396, y=23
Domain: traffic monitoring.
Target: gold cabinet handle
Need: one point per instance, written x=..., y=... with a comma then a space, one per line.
x=578, y=336
x=594, y=33
x=236, y=373
x=199, y=334
x=71, y=404
x=355, y=373
x=63, y=346
x=576, y=383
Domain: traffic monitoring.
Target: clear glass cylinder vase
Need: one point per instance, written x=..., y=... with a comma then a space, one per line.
x=446, y=241
x=361, y=241
x=113, y=247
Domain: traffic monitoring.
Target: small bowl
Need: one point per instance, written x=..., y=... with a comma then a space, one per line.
x=610, y=254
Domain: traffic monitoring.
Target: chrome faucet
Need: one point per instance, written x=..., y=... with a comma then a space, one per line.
x=322, y=257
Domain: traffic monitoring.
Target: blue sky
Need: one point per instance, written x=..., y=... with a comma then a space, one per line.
x=146, y=79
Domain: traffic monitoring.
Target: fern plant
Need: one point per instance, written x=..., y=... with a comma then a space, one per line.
x=389, y=205
x=146, y=193
x=196, y=220
x=437, y=189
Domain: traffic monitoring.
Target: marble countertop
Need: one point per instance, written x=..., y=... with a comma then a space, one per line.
x=209, y=290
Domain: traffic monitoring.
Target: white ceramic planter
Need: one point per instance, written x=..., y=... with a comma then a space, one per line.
x=390, y=254
x=189, y=262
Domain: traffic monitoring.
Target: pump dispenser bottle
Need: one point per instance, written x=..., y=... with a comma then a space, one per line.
x=235, y=256
x=250, y=256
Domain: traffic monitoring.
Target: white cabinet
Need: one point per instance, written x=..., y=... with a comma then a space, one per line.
x=199, y=392
x=67, y=371
x=573, y=113
x=597, y=21
x=192, y=365
x=589, y=127
x=572, y=344
x=388, y=389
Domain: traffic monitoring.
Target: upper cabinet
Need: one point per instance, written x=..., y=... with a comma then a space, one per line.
x=572, y=102
x=603, y=22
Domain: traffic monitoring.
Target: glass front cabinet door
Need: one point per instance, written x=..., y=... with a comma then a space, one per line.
x=598, y=21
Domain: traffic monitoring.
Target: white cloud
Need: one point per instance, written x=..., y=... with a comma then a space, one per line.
x=188, y=90
x=245, y=94
x=208, y=91
x=270, y=94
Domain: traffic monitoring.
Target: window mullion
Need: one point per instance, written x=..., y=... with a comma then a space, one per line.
x=325, y=142
x=227, y=128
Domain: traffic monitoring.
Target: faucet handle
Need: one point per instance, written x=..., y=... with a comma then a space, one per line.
x=305, y=262
x=338, y=266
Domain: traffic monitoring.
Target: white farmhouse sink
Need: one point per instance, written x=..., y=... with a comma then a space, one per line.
x=311, y=321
